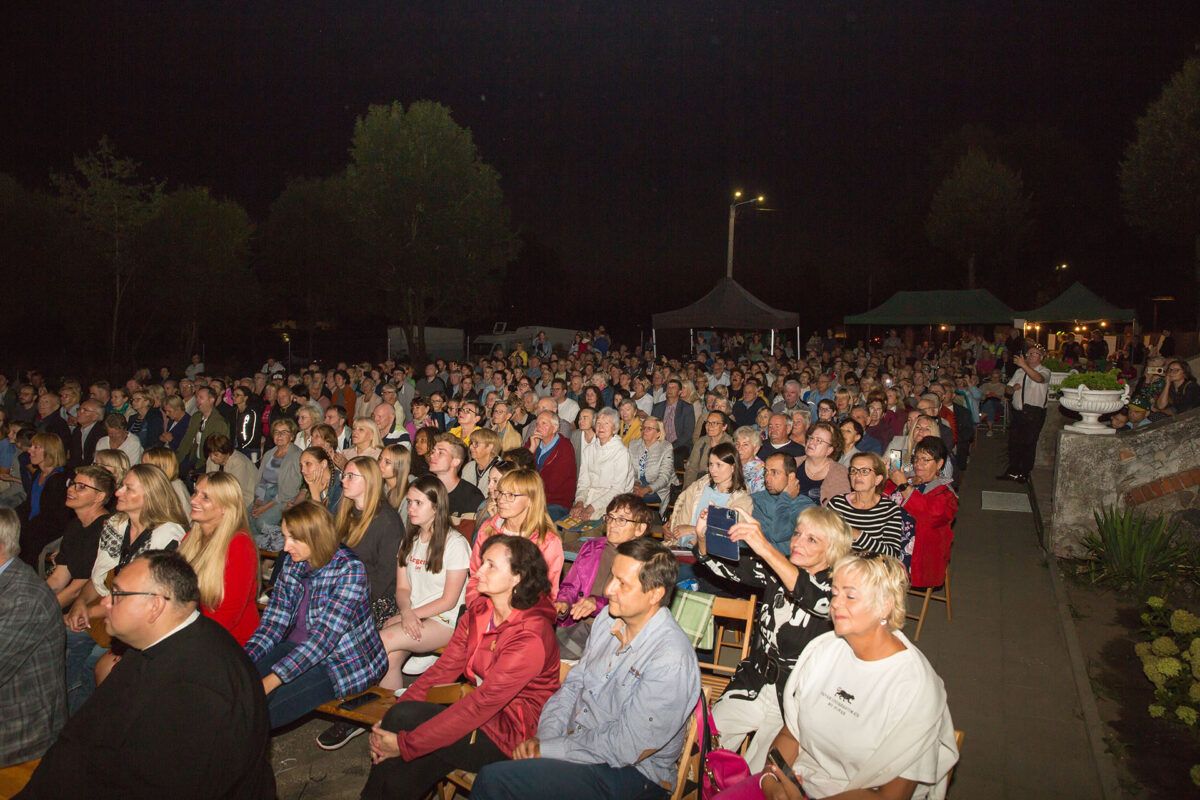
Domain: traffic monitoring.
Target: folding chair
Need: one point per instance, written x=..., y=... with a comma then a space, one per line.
x=729, y=608
x=927, y=595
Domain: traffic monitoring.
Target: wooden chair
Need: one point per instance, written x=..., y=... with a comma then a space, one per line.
x=687, y=776
x=368, y=714
x=958, y=740
x=14, y=778
x=928, y=595
x=728, y=608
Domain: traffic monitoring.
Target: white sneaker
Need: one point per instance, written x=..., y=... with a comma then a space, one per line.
x=418, y=664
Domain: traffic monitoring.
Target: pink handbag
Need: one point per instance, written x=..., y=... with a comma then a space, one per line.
x=720, y=769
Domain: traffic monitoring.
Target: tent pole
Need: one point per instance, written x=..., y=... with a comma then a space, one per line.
x=692, y=341
x=772, y=341
x=654, y=341
x=797, y=341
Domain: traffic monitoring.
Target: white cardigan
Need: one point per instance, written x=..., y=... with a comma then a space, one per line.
x=604, y=472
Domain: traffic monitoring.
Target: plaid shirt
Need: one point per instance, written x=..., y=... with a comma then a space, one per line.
x=341, y=632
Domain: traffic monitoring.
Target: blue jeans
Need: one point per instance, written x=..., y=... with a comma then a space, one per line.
x=82, y=655
x=294, y=699
x=532, y=778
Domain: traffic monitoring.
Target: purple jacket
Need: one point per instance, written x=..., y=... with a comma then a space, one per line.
x=578, y=583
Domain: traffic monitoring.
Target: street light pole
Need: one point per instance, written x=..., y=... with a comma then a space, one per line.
x=733, y=207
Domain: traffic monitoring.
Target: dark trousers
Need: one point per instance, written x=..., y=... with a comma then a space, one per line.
x=550, y=778
x=294, y=699
x=1023, y=438
x=396, y=778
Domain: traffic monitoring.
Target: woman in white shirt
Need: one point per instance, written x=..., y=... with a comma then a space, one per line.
x=863, y=708
x=604, y=471
x=431, y=579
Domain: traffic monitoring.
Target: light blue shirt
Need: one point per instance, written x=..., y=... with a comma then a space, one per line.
x=4, y=566
x=618, y=702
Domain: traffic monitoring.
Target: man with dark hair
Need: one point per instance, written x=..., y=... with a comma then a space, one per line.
x=446, y=460
x=335, y=417
x=182, y=715
x=616, y=727
x=204, y=423
x=778, y=505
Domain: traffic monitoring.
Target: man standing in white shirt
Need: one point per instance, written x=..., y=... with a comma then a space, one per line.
x=1030, y=387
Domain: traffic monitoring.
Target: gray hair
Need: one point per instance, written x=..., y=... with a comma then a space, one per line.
x=611, y=415
x=10, y=533
x=791, y=384
x=553, y=417
x=745, y=433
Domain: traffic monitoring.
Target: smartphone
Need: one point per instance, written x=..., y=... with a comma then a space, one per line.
x=776, y=758
x=893, y=460
x=716, y=537
x=357, y=702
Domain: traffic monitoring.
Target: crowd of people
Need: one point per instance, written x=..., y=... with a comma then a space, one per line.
x=342, y=528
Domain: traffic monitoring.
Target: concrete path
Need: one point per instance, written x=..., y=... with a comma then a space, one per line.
x=1004, y=658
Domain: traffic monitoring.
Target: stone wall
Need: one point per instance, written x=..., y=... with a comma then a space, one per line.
x=1152, y=468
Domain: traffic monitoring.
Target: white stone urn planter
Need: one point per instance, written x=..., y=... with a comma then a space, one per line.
x=1056, y=379
x=1090, y=404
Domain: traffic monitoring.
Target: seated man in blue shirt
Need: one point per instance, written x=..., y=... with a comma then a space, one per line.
x=777, y=507
x=615, y=729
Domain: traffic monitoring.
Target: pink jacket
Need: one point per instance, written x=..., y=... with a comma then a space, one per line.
x=578, y=583
x=551, y=547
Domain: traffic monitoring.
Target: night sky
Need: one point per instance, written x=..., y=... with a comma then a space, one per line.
x=619, y=129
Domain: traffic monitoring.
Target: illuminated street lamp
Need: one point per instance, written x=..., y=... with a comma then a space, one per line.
x=733, y=207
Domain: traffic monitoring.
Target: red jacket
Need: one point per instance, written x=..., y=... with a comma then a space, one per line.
x=934, y=513
x=558, y=474
x=518, y=664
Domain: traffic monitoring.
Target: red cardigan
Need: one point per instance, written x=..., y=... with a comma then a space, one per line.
x=238, y=612
x=933, y=513
x=559, y=474
x=518, y=664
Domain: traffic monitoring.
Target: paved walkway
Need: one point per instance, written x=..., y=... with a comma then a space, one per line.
x=1004, y=658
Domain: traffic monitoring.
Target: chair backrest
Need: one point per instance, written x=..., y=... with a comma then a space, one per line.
x=689, y=771
x=563, y=669
x=742, y=612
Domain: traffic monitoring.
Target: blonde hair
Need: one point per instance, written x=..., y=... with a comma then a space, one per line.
x=351, y=523
x=839, y=536
x=164, y=459
x=884, y=578
x=537, y=524
x=113, y=460
x=311, y=524
x=376, y=442
x=160, y=504
x=401, y=468
x=484, y=436
x=208, y=555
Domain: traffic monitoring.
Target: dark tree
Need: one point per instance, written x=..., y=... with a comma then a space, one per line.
x=430, y=214
x=1160, y=175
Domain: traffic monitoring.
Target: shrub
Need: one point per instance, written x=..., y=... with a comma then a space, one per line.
x=1094, y=380
x=1176, y=690
x=1132, y=551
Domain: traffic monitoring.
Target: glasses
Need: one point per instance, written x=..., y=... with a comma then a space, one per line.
x=117, y=594
x=613, y=519
x=79, y=485
x=862, y=471
x=925, y=460
x=349, y=476
x=508, y=497
x=815, y=440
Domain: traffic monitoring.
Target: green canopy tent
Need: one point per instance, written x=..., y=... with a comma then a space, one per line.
x=1082, y=304
x=943, y=307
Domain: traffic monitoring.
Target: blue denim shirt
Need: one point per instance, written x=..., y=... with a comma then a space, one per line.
x=619, y=702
